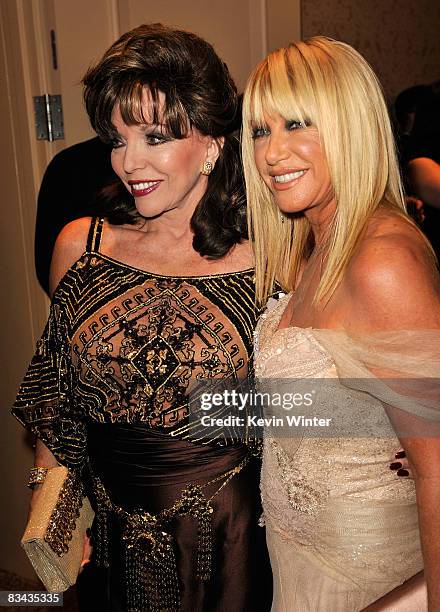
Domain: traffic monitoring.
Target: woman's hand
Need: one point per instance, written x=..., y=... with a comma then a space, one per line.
x=400, y=464
x=44, y=458
x=414, y=208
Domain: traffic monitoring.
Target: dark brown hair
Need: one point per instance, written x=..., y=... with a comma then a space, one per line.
x=199, y=93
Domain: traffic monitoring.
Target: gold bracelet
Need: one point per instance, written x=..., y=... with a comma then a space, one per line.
x=36, y=476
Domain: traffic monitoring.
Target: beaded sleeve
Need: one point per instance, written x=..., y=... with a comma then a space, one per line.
x=45, y=403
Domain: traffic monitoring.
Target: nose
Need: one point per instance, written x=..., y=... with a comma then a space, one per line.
x=276, y=149
x=134, y=157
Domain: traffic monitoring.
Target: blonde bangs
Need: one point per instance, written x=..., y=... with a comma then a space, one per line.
x=275, y=90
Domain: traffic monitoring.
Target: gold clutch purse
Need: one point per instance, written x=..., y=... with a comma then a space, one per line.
x=54, y=536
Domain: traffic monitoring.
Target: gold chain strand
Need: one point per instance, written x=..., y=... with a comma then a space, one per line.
x=150, y=566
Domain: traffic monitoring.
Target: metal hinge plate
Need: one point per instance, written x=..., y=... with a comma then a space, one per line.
x=49, y=117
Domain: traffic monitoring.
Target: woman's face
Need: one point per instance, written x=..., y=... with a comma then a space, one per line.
x=291, y=162
x=161, y=172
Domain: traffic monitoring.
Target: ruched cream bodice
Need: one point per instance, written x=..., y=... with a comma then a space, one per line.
x=342, y=527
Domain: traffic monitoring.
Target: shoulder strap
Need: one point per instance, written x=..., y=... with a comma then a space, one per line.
x=95, y=234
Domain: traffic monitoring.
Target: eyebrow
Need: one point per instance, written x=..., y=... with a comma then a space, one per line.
x=150, y=126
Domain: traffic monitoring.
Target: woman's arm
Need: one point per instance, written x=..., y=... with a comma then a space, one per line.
x=394, y=286
x=424, y=457
x=69, y=246
x=43, y=456
x=424, y=176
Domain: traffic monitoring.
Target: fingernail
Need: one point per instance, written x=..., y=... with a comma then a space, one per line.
x=400, y=455
x=395, y=466
x=402, y=473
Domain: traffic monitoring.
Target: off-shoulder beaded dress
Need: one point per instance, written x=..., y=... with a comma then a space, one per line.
x=342, y=530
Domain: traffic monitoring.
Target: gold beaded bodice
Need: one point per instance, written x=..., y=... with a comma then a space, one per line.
x=123, y=346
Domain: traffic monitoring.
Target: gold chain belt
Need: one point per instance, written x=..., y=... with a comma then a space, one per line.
x=151, y=573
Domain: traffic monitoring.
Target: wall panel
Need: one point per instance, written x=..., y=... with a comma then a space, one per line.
x=400, y=38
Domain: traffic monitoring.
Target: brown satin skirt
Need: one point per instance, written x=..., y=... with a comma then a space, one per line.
x=140, y=467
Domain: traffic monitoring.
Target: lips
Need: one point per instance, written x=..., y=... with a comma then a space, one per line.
x=285, y=178
x=142, y=188
x=289, y=176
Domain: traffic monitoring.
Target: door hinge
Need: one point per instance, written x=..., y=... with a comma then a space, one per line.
x=49, y=117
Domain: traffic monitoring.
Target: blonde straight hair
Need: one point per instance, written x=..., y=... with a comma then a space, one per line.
x=327, y=84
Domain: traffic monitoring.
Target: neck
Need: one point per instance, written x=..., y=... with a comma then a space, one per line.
x=321, y=221
x=174, y=224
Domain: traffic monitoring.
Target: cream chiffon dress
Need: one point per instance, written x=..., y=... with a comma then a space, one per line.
x=342, y=528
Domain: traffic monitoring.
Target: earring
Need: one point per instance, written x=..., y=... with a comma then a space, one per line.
x=207, y=168
x=282, y=217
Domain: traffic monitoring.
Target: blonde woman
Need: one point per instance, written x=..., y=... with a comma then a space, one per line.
x=327, y=217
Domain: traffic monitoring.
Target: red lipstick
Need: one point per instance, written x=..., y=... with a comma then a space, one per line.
x=143, y=188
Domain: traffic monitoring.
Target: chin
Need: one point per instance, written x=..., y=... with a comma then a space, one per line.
x=148, y=210
x=292, y=209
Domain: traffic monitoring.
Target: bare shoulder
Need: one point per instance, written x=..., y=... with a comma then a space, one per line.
x=392, y=279
x=69, y=246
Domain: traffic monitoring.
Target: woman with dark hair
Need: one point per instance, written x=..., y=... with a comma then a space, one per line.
x=158, y=295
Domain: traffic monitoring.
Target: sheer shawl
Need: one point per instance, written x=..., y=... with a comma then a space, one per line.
x=400, y=368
